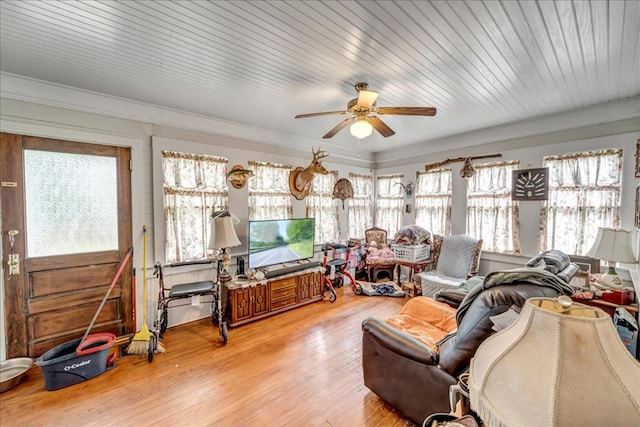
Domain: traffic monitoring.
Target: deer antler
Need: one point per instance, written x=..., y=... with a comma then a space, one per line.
x=409, y=185
x=317, y=155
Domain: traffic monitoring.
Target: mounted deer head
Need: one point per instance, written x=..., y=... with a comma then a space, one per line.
x=300, y=179
x=408, y=189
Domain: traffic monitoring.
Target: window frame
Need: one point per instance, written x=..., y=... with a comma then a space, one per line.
x=158, y=145
x=326, y=203
x=285, y=193
x=391, y=197
x=503, y=193
x=363, y=200
x=580, y=189
x=448, y=195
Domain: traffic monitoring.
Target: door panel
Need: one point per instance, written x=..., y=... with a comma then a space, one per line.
x=57, y=292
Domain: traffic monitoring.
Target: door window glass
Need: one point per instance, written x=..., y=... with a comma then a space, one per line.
x=71, y=203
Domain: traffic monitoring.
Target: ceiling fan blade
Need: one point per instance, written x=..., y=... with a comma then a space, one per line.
x=326, y=113
x=338, y=128
x=407, y=111
x=366, y=98
x=380, y=126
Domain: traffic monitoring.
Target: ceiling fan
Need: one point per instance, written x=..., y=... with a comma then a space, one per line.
x=361, y=109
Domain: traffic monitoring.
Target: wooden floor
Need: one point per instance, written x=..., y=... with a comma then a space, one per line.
x=299, y=368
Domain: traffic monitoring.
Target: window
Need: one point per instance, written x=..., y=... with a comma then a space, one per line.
x=389, y=203
x=360, y=212
x=194, y=187
x=323, y=207
x=433, y=201
x=491, y=214
x=584, y=194
x=269, y=195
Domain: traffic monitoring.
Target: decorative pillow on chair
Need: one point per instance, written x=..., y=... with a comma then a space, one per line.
x=457, y=255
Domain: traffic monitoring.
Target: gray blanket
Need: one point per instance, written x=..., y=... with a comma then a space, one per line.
x=515, y=276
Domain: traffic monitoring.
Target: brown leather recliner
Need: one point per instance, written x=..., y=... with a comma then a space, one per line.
x=414, y=378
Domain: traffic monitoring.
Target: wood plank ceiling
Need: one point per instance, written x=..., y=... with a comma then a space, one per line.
x=259, y=63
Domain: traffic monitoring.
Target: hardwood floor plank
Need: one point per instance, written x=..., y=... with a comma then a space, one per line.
x=298, y=368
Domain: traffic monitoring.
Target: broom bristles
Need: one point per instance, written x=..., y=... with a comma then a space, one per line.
x=140, y=342
x=138, y=347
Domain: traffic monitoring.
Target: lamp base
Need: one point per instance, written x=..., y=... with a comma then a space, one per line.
x=611, y=278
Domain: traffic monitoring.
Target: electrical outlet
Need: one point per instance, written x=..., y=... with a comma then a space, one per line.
x=195, y=300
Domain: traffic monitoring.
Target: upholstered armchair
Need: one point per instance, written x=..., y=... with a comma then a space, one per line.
x=455, y=259
x=411, y=359
x=378, y=268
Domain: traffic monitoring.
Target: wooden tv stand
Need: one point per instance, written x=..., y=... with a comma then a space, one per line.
x=252, y=300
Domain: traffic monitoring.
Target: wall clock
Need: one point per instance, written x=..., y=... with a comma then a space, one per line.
x=530, y=184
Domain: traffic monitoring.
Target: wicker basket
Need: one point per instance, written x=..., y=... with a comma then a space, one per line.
x=411, y=253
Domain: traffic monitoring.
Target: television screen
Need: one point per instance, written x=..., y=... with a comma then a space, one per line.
x=280, y=240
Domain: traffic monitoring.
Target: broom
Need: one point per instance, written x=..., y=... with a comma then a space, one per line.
x=140, y=342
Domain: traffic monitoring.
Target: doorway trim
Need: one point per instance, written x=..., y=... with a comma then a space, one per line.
x=90, y=136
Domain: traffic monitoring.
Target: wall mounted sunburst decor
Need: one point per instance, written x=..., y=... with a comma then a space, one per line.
x=530, y=184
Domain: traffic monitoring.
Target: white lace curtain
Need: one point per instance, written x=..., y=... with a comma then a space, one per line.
x=269, y=195
x=491, y=214
x=389, y=202
x=195, y=186
x=433, y=201
x=584, y=194
x=323, y=207
x=360, y=206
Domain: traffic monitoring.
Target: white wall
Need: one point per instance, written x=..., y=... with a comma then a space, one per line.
x=34, y=119
x=529, y=157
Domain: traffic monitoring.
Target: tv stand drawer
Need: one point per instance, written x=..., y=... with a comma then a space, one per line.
x=283, y=283
x=281, y=303
x=283, y=292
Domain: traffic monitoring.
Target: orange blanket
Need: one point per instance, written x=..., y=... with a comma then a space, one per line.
x=425, y=319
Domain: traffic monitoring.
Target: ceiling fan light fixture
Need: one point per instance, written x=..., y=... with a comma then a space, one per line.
x=361, y=128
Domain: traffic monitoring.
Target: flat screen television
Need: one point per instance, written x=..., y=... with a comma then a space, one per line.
x=277, y=241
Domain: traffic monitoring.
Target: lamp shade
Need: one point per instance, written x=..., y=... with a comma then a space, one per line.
x=559, y=364
x=613, y=244
x=361, y=128
x=223, y=234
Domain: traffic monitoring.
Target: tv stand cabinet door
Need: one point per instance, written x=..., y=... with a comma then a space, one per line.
x=249, y=302
x=310, y=286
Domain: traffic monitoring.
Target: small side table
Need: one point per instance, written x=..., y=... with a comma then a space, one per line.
x=410, y=289
x=414, y=267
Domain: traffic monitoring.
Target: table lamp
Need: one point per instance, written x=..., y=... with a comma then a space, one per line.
x=223, y=236
x=612, y=245
x=559, y=364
